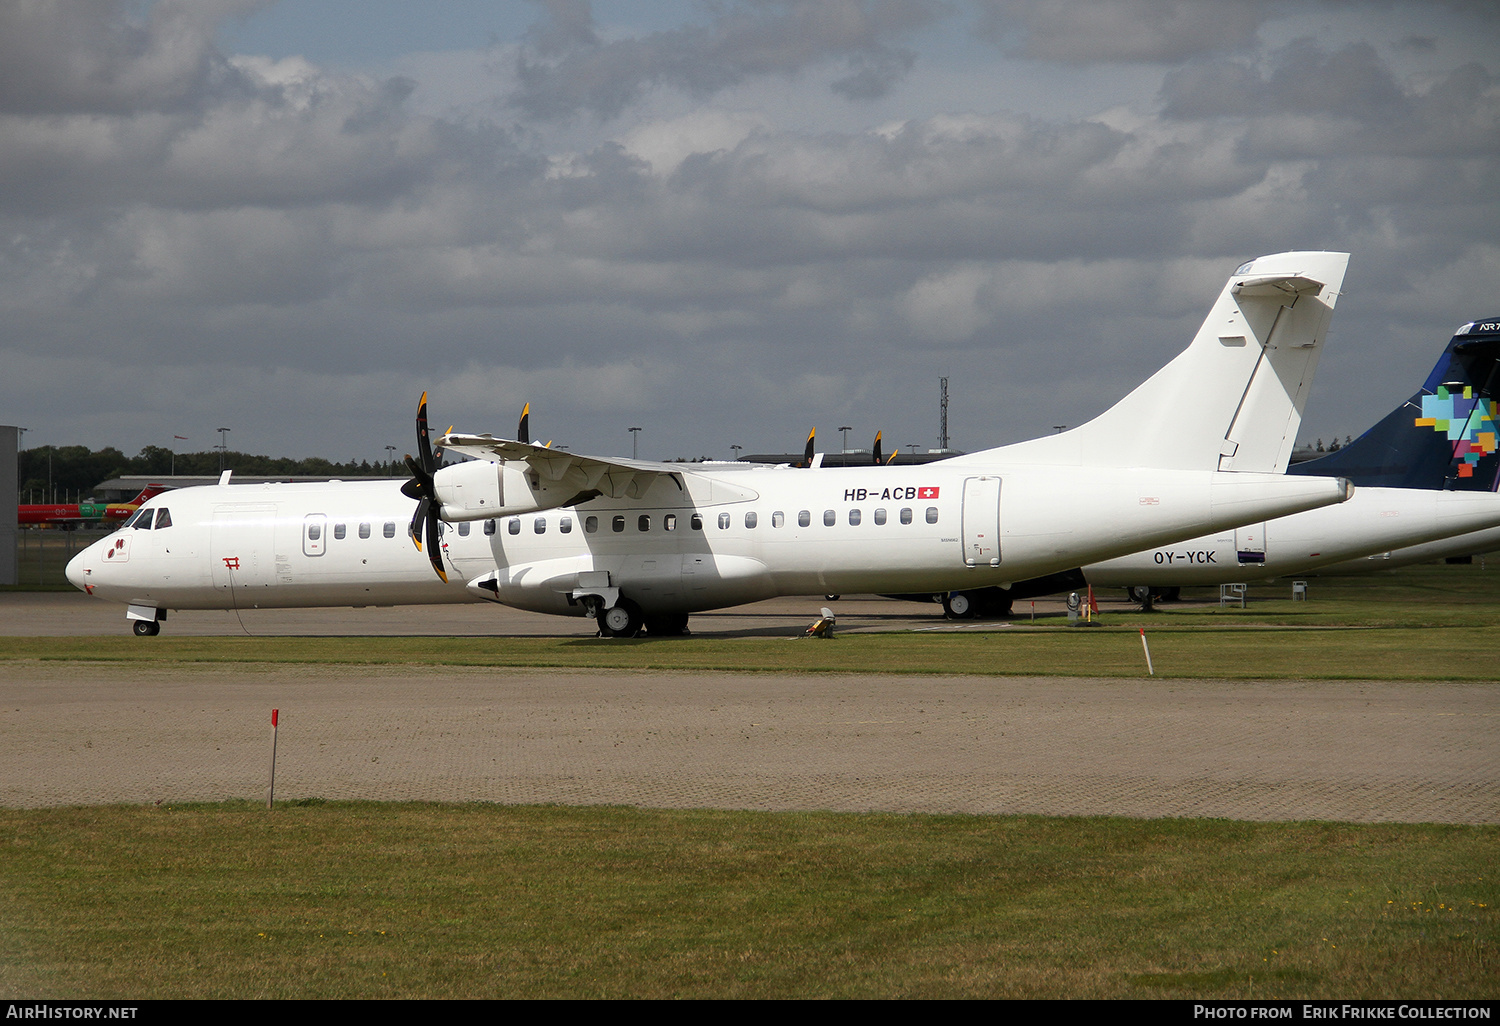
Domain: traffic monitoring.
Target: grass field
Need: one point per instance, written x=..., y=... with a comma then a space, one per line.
x=399, y=900
x=340, y=900
x=1432, y=653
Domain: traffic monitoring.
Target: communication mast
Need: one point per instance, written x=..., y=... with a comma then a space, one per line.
x=943, y=414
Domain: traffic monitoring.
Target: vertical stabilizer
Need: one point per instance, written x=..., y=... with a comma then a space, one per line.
x=1233, y=399
x=1444, y=436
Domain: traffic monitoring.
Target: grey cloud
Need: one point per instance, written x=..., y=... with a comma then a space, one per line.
x=1305, y=79
x=1317, y=103
x=64, y=58
x=570, y=72
x=1156, y=31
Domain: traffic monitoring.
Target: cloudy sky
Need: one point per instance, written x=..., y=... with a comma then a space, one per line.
x=723, y=222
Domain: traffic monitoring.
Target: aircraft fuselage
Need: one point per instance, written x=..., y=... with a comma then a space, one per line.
x=712, y=537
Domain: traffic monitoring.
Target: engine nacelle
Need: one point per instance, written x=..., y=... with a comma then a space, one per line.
x=482, y=489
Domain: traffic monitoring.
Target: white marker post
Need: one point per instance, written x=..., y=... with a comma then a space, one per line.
x=1147, y=647
x=271, y=790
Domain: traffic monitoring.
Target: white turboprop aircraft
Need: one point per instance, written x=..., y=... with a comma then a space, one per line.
x=1426, y=476
x=636, y=543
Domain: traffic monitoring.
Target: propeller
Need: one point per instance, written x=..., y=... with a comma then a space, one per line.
x=875, y=451
x=807, y=456
x=421, y=488
x=523, y=430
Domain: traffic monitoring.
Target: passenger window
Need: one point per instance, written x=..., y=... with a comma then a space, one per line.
x=879, y=517
x=513, y=525
x=643, y=522
x=163, y=519
x=591, y=524
x=364, y=529
x=489, y=527
x=565, y=525
x=906, y=515
x=932, y=514
x=669, y=522
x=804, y=518
x=314, y=532
x=617, y=524
x=539, y=525
x=751, y=519
x=389, y=530
x=338, y=531
x=723, y=521
x=778, y=518
x=697, y=522
x=463, y=529
x=854, y=517
x=830, y=518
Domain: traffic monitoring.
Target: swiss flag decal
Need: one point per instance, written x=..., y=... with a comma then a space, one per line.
x=927, y=493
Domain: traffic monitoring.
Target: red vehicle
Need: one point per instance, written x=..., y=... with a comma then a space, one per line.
x=72, y=514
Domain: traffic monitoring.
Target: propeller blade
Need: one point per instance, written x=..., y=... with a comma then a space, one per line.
x=424, y=441
x=435, y=541
x=426, y=520
x=807, y=455
x=876, y=450
x=420, y=483
x=523, y=430
x=417, y=518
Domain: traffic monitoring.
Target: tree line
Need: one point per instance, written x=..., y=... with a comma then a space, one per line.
x=76, y=470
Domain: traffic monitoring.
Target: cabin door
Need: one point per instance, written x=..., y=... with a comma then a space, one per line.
x=981, y=536
x=1250, y=544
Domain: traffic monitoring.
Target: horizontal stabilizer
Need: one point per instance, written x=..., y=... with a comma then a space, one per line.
x=1287, y=286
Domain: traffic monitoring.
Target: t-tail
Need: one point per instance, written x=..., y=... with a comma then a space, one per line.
x=1233, y=399
x=1444, y=436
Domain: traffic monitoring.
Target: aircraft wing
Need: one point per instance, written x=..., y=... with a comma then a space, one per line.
x=615, y=478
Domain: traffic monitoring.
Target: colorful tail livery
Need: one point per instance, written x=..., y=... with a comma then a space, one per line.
x=71, y=513
x=1444, y=437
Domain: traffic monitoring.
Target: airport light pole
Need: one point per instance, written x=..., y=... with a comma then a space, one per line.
x=390, y=461
x=846, y=429
x=635, y=437
x=737, y=449
x=223, y=446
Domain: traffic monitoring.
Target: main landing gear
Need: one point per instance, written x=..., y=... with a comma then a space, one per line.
x=625, y=619
x=980, y=604
x=146, y=628
x=1148, y=597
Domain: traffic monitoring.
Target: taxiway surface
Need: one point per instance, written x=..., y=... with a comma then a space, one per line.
x=74, y=733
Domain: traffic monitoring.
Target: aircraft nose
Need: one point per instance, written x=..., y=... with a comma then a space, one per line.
x=77, y=566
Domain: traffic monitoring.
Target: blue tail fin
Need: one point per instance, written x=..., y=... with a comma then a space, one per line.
x=1444, y=437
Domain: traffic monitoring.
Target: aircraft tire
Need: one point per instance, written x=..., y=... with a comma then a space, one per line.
x=673, y=625
x=998, y=606
x=146, y=628
x=960, y=605
x=622, y=620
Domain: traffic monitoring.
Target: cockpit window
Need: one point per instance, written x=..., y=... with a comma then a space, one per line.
x=142, y=519
x=134, y=517
x=163, y=518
